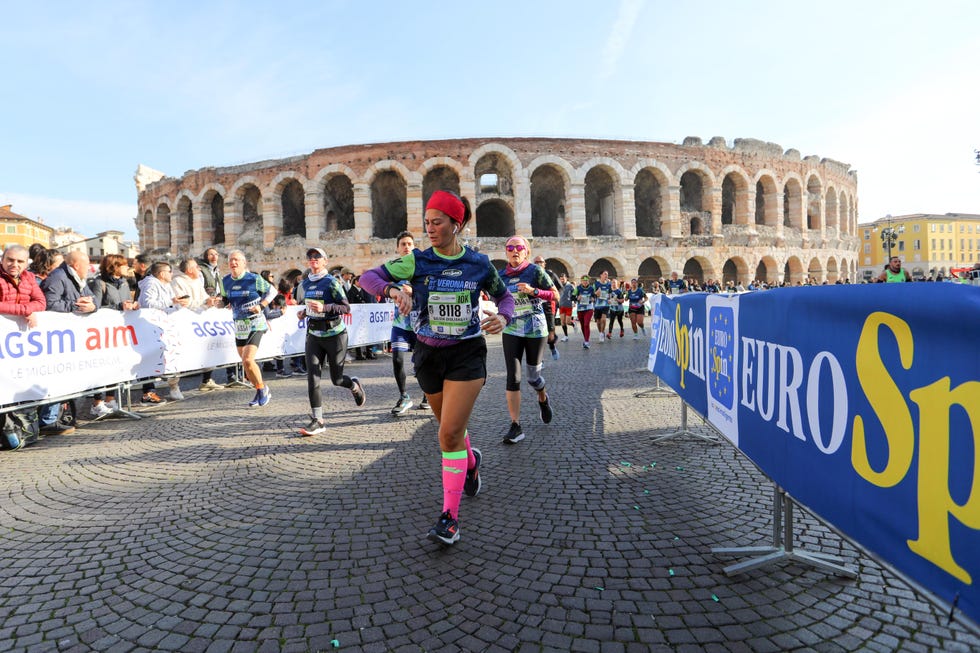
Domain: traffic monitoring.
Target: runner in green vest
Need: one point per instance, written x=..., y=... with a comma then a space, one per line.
x=893, y=272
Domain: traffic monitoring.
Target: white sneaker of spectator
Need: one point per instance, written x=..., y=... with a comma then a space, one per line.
x=100, y=410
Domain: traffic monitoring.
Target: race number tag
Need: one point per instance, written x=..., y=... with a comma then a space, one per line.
x=450, y=312
x=242, y=329
x=522, y=305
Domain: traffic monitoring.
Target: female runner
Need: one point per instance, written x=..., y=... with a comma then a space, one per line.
x=248, y=293
x=527, y=333
x=326, y=337
x=584, y=296
x=616, y=308
x=451, y=353
x=637, y=298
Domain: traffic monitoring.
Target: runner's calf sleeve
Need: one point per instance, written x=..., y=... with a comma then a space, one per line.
x=534, y=378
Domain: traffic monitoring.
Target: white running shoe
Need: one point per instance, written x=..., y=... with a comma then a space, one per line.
x=100, y=410
x=176, y=394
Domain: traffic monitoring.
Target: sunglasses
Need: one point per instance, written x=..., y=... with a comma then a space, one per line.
x=313, y=257
x=515, y=248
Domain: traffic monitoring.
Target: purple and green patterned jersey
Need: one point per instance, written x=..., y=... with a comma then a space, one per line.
x=603, y=291
x=529, y=320
x=446, y=291
x=584, y=297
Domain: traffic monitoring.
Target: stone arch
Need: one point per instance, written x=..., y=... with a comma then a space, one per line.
x=845, y=214
x=845, y=271
x=603, y=265
x=766, y=199
x=815, y=269
x=814, y=203
x=767, y=270
x=389, y=201
x=699, y=268
x=211, y=200
x=603, y=199
x=793, y=202
x=161, y=236
x=146, y=230
x=550, y=179
x=289, y=188
x=696, y=226
x=734, y=196
x=182, y=224
x=495, y=218
x=438, y=177
x=334, y=184
x=495, y=171
x=651, y=200
x=735, y=270
x=793, y=271
x=831, y=208
x=651, y=269
x=247, y=199
x=832, y=270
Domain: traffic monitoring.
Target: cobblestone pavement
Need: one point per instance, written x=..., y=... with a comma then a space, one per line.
x=209, y=526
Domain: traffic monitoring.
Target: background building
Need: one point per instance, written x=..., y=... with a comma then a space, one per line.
x=710, y=211
x=16, y=229
x=929, y=244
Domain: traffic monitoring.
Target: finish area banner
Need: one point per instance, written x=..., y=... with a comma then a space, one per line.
x=69, y=355
x=862, y=402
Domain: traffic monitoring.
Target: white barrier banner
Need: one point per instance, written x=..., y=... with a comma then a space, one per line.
x=70, y=354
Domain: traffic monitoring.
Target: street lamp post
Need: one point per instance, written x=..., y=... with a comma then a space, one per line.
x=890, y=234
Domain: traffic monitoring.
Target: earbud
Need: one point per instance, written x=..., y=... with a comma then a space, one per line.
x=455, y=230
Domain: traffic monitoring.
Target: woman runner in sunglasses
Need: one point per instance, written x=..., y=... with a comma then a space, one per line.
x=527, y=333
x=451, y=353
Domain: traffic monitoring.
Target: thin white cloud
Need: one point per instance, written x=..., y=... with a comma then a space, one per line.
x=83, y=216
x=629, y=11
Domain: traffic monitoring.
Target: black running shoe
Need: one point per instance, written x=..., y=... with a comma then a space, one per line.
x=546, y=412
x=473, y=483
x=515, y=434
x=315, y=427
x=446, y=530
x=404, y=403
x=358, y=391
x=424, y=404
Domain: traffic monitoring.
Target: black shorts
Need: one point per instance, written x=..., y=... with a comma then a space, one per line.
x=253, y=339
x=602, y=311
x=466, y=361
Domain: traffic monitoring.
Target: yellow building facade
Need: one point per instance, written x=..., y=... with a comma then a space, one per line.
x=16, y=229
x=929, y=244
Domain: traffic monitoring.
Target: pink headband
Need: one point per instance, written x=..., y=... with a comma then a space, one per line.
x=448, y=204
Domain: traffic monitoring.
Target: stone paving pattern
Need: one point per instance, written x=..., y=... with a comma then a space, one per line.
x=209, y=526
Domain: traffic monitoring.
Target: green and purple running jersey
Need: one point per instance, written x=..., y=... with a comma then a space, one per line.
x=242, y=294
x=637, y=298
x=584, y=297
x=529, y=320
x=603, y=291
x=616, y=306
x=446, y=291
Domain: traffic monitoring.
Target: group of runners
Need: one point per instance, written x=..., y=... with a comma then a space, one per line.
x=437, y=293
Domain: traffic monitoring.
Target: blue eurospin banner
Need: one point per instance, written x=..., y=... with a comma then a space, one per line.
x=863, y=402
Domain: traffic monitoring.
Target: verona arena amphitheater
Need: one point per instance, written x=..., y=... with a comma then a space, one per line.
x=636, y=209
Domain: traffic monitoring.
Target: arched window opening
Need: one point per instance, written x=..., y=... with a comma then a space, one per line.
x=217, y=219
x=493, y=166
x=600, y=203
x=650, y=271
x=183, y=225
x=600, y=266
x=729, y=272
x=693, y=270
x=251, y=213
x=338, y=204
x=728, y=200
x=556, y=266
x=762, y=272
x=697, y=227
x=162, y=239
x=293, y=210
x=547, y=202
x=814, y=192
x=389, y=204
x=691, y=190
x=648, y=199
x=495, y=219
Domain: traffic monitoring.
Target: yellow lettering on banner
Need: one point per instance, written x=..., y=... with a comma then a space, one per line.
x=935, y=502
x=683, y=345
x=886, y=401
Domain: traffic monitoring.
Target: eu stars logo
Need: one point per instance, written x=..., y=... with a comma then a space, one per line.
x=721, y=320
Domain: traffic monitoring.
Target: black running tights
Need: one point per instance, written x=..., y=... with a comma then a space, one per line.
x=331, y=350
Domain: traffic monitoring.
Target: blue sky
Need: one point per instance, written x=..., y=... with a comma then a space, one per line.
x=93, y=89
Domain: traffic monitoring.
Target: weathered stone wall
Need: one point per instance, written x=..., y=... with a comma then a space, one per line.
x=797, y=216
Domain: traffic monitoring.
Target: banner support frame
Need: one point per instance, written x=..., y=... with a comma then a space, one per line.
x=782, y=548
